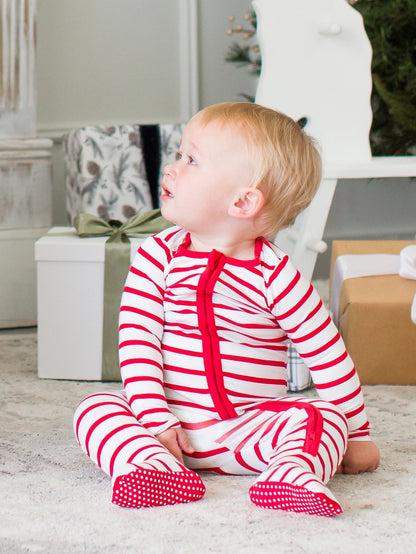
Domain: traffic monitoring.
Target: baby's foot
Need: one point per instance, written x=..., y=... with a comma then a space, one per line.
x=148, y=487
x=291, y=498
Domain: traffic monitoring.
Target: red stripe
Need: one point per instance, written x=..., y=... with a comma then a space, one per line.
x=155, y=262
x=152, y=411
x=144, y=313
x=178, y=350
x=254, y=379
x=143, y=294
x=192, y=405
x=254, y=361
x=252, y=432
x=347, y=398
x=143, y=275
x=97, y=423
x=313, y=333
x=286, y=291
x=187, y=371
x=239, y=292
x=258, y=453
x=163, y=244
x=119, y=404
x=134, y=342
x=243, y=463
x=278, y=270
x=147, y=361
x=323, y=348
x=207, y=453
x=330, y=364
x=308, y=318
x=133, y=326
x=360, y=434
x=138, y=379
x=354, y=412
x=298, y=305
x=110, y=435
x=336, y=382
x=200, y=425
x=186, y=389
x=148, y=396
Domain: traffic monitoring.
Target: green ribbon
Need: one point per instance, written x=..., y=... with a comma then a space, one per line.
x=116, y=267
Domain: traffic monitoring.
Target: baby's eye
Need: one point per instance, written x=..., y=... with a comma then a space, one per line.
x=191, y=161
x=178, y=156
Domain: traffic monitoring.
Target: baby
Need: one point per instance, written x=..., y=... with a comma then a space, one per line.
x=207, y=311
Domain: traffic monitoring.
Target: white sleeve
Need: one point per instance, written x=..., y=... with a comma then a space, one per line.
x=141, y=325
x=301, y=313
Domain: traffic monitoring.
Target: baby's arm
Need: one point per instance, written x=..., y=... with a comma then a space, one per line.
x=360, y=456
x=141, y=331
x=301, y=313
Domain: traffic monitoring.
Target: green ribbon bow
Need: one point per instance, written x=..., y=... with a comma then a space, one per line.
x=116, y=267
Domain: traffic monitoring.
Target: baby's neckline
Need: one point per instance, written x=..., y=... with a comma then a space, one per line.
x=185, y=250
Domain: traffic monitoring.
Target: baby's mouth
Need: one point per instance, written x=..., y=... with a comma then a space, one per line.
x=166, y=192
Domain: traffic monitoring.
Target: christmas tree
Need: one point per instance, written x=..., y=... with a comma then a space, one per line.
x=391, y=28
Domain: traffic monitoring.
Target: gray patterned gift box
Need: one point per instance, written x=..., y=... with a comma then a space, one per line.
x=115, y=172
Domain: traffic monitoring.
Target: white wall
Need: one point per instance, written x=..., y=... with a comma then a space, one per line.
x=109, y=61
x=220, y=81
x=149, y=61
x=130, y=61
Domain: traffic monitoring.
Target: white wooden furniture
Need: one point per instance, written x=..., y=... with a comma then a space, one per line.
x=316, y=63
x=25, y=165
x=303, y=241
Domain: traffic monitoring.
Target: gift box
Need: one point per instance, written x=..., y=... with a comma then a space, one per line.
x=298, y=374
x=116, y=171
x=373, y=311
x=70, y=297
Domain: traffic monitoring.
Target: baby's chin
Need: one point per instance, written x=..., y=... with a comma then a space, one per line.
x=168, y=217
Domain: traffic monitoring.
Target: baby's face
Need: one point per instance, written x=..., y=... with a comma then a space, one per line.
x=212, y=165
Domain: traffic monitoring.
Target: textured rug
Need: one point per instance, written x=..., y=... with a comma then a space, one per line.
x=53, y=499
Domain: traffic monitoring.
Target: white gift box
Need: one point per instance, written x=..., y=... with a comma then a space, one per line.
x=70, y=295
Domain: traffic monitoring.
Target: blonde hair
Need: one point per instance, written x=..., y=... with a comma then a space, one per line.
x=287, y=164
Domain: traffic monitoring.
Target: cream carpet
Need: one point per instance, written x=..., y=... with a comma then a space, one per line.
x=53, y=499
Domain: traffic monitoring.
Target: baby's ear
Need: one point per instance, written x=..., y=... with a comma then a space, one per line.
x=247, y=203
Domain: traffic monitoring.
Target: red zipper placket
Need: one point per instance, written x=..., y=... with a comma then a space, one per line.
x=314, y=425
x=210, y=339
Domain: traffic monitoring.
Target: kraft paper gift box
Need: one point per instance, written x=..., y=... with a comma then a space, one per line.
x=374, y=315
x=70, y=274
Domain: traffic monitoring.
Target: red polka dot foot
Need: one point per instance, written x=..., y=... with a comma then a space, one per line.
x=283, y=496
x=145, y=488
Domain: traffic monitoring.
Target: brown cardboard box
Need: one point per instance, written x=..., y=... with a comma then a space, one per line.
x=374, y=318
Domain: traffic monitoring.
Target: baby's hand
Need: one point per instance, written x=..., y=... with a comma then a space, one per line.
x=176, y=441
x=360, y=456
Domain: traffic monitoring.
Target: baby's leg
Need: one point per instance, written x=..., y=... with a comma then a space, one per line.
x=143, y=472
x=308, y=449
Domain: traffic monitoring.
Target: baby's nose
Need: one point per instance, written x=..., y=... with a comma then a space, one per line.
x=169, y=170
